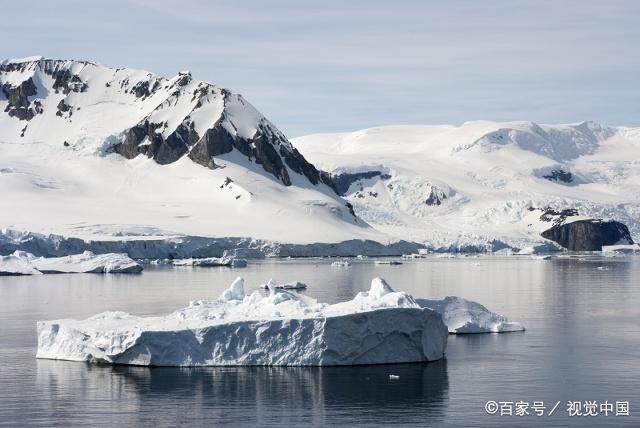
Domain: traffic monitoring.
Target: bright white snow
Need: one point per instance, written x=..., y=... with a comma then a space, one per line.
x=490, y=174
x=61, y=167
x=280, y=328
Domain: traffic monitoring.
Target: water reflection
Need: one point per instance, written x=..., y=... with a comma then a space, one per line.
x=254, y=394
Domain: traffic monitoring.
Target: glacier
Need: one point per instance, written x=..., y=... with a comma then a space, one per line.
x=483, y=185
x=279, y=327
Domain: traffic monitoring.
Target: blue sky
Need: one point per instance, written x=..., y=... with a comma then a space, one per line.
x=346, y=65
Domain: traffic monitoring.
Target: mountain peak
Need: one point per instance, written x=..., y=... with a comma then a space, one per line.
x=140, y=113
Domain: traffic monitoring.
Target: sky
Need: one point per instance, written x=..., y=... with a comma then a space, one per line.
x=332, y=66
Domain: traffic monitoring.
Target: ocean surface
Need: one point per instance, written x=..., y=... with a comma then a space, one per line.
x=582, y=343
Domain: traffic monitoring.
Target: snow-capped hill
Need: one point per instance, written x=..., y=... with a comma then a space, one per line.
x=117, y=153
x=466, y=186
x=138, y=112
x=559, y=142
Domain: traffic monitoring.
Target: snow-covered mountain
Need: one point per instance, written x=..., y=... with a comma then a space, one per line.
x=97, y=152
x=473, y=184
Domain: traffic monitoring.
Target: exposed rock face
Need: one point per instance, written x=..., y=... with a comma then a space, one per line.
x=164, y=119
x=559, y=175
x=588, y=235
x=343, y=181
x=556, y=217
x=65, y=81
x=143, y=139
x=436, y=197
x=216, y=141
x=19, y=105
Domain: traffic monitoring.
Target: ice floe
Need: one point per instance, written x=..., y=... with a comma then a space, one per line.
x=465, y=316
x=87, y=262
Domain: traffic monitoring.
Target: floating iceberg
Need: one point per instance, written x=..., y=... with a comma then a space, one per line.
x=17, y=264
x=621, y=249
x=86, y=262
x=294, y=285
x=212, y=262
x=464, y=316
x=281, y=328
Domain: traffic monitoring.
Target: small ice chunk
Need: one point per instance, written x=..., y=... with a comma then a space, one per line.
x=234, y=292
x=379, y=288
x=271, y=285
x=465, y=316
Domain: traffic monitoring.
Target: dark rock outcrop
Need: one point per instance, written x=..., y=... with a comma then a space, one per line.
x=63, y=108
x=557, y=217
x=436, y=197
x=18, y=99
x=215, y=142
x=588, y=235
x=143, y=89
x=342, y=182
x=144, y=139
x=559, y=175
x=65, y=81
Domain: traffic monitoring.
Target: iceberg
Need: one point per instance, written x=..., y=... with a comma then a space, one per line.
x=86, y=262
x=275, y=328
x=17, y=264
x=465, y=316
x=294, y=285
x=621, y=249
x=212, y=262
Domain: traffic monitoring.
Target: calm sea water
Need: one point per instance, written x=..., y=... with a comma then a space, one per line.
x=582, y=343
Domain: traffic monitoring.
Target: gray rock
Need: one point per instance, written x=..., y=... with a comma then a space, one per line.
x=18, y=99
x=588, y=235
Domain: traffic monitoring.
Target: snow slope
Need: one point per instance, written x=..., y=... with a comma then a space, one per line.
x=98, y=153
x=470, y=185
